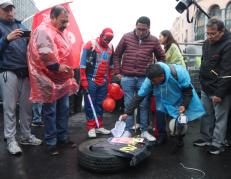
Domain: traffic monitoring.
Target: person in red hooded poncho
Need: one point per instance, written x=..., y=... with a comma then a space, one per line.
x=51, y=76
x=95, y=72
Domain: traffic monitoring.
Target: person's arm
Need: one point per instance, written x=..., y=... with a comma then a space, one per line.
x=223, y=84
x=83, y=61
x=134, y=104
x=46, y=50
x=5, y=40
x=159, y=52
x=186, y=87
x=111, y=67
x=144, y=90
x=187, y=96
x=117, y=57
x=3, y=44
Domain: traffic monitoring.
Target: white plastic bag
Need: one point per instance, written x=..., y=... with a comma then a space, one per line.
x=118, y=130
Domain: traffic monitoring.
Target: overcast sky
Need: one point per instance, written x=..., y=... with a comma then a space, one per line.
x=121, y=15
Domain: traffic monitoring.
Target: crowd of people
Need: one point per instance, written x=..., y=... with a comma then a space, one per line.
x=36, y=72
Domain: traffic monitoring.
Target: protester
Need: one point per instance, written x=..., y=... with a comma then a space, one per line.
x=14, y=79
x=172, y=89
x=133, y=54
x=172, y=50
x=95, y=74
x=51, y=78
x=215, y=87
x=173, y=56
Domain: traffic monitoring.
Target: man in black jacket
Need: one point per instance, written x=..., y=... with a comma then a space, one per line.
x=215, y=81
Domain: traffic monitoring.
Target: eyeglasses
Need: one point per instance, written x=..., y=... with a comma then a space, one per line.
x=141, y=30
x=212, y=34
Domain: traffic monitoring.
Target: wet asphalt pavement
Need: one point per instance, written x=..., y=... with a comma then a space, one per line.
x=34, y=163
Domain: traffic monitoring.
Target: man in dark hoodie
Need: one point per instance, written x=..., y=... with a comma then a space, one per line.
x=14, y=81
x=215, y=82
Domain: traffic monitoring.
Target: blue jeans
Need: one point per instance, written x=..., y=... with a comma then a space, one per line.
x=37, y=112
x=130, y=86
x=55, y=117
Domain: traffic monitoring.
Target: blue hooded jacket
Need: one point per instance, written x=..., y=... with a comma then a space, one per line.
x=13, y=55
x=169, y=94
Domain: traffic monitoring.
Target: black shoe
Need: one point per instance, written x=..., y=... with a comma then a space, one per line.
x=180, y=142
x=66, y=144
x=201, y=143
x=161, y=140
x=52, y=150
x=215, y=150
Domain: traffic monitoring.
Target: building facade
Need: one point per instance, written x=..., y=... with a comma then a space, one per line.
x=185, y=32
x=25, y=9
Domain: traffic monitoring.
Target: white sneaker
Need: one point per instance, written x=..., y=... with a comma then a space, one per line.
x=148, y=136
x=32, y=140
x=126, y=134
x=13, y=148
x=91, y=133
x=102, y=131
x=135, y=126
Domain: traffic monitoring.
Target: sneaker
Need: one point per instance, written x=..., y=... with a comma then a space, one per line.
x=135, y=126
x=102, y=131
x=37, y=124
x=215, y=150
x=13, y=148
x=92, y=133
x=126, y=134
x=201, y=143
x=52, y=150
x=32, y=140
x=148, y=136
x=227, y=143
x=66, y=144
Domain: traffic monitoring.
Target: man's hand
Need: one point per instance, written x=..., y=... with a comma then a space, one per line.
x=14, y=35
x=119, y=76
x=123, y=117
x=181, y=109
x=216, y=99
x=64, y=68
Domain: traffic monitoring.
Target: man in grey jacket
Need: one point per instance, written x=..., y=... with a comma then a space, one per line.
x=14, y=81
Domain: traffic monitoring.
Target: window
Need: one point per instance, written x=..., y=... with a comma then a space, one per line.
x=228, y=17
x=200, y=26
x=215, y=11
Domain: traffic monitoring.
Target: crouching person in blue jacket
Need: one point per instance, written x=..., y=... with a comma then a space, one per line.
x=174, y=93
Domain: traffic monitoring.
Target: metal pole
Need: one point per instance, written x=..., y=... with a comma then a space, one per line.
x=93, y=109
x=199, y=7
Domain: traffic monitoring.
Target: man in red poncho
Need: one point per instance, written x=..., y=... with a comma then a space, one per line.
x=95, y=73
x=51, y=76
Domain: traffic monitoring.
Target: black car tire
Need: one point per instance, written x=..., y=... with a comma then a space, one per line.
x=98, y=160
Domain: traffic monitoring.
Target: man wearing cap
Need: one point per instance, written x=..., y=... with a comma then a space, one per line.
x=14, y=81
x=95, y=73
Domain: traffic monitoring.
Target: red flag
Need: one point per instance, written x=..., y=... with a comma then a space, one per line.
x=72, y=32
